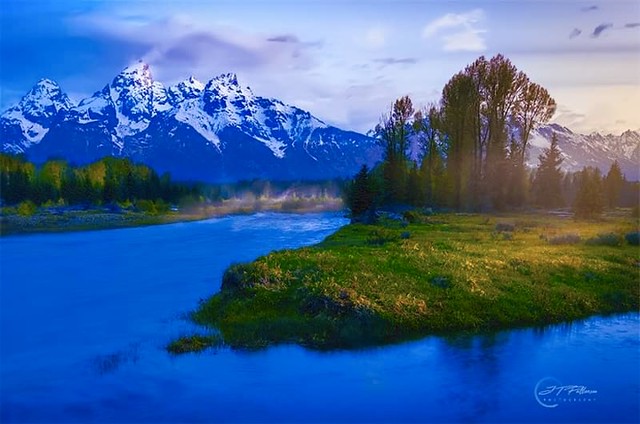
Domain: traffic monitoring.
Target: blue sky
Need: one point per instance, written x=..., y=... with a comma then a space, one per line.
x=345, y=61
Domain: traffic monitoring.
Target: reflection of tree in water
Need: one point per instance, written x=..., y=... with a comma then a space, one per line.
x=475, y=364
x=548, y=332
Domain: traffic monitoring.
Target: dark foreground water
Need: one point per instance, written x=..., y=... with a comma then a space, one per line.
x=85, y=318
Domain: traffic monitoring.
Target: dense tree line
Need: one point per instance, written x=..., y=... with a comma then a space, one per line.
x=107, y=181
x=474, y=149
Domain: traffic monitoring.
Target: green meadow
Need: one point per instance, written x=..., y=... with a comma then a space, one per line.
x=397, y=280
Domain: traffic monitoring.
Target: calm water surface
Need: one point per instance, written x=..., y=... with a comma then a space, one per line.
x=85, y=318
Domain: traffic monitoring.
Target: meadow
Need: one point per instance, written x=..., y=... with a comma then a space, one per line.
x=426, y=274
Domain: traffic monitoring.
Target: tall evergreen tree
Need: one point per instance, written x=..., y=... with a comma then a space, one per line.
x=613, y=184
x=547, y=184
x=360, y=195
x=589, y=201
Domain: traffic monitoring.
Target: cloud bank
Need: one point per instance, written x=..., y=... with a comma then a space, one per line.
x=458, y=31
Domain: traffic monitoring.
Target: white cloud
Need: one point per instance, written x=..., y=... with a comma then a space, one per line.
x=458, y=31
x=468, y=40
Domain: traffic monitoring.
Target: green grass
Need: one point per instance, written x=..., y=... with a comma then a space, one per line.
x=194, y=343
x=367, y=285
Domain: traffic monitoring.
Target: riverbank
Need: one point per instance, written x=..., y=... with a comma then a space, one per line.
x=371, y=285
x=62, y=219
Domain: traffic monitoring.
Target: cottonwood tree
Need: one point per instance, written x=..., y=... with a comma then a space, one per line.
x=457, y=107
x=426, y=125
x=393, y=132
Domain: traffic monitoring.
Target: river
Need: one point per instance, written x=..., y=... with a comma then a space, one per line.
x=85, y=318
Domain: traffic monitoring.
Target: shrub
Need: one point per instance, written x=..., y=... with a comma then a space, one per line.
x=405, y=235
x=610, y=239
x=26, y=208
x=415, y=217
x=381, y=236
x=151, y=207
x=565, y=239
x=633, y=238
x=440, y=281
x=146, y=206
x=505, y=227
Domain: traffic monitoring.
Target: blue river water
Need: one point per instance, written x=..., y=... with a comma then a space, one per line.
x=85, y=318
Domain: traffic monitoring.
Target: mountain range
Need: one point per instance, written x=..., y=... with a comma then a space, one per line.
x=218, y=131
x=221, y=131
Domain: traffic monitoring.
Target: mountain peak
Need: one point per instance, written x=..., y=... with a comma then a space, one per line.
x=226, y=85
x=189, y=88
x=48, y=84
x=193, y=82
x=139, y=67
x=138, y=74
x=45, y=99
x=227, y=79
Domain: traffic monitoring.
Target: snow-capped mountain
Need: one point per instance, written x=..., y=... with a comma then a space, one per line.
x=29, y=121
x=579, y=150
x=220, y=130
x=210, y=131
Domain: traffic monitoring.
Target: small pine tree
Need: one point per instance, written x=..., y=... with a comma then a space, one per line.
x=613, y=184
x=547, y=184
x=589, y=201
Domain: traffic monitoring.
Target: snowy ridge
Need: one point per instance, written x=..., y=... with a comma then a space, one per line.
x=34, y=114
x=128, y=105
x=191, y=113
x=579, y=150
x=210, y=131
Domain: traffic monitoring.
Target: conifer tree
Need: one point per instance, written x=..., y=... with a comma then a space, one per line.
x=589, y=201
x=360, y=194
x=613, y=184
x=547, y=184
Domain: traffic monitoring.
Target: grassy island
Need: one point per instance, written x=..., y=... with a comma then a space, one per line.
x=377, y=284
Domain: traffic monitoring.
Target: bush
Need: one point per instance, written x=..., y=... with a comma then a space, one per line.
x=633, y=238
x=610, y=239
x=151, y=207
x=415, y=217
x=565, y=239
x=440, y=281
x=381, y=236
x=505, y=227
x=26, y=208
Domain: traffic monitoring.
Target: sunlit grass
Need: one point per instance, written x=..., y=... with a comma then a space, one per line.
x=379, y=284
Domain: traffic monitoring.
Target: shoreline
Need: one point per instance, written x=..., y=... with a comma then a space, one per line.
x=441, y=274
x=61, y=220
